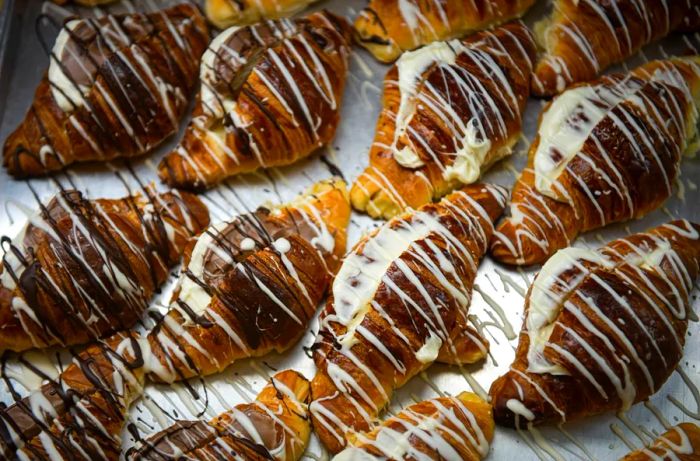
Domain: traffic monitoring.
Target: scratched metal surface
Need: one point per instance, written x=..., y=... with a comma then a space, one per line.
x=23, y=62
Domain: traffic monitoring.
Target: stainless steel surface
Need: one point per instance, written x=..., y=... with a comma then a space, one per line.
x=498, y=298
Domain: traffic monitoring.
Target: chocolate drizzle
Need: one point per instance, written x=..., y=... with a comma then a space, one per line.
x=83, y=269
x=116, y=87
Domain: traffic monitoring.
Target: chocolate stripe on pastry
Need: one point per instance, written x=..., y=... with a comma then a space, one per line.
x=80, y=415
x=389, y=27
x=605, y=152
x=398, y=303
x=116, y=86
x=678, y=443
x=445, y=428
x=603, y=329
x=451, y=109
x=274, y=427
x=226, y=13
x=250, y=286
x=583, y=38
x=83, y=269
x=270, y=96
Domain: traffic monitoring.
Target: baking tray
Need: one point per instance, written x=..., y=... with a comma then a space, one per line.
x=497, y=304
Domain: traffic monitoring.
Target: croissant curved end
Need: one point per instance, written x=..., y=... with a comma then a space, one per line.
x=510, y=246
x=516, y=410
x=293, y=385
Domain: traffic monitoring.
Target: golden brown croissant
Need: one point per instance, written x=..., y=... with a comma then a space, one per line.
x=445, y=428
x=270, y=96
x=583, y=38
x=116, y=86
x=679, y=443
x=251, y=285
x=78, y=417
x=83, y=269
x=225, y=13
x=604, y=328
x=274, y=427
x=451, y=110
x=398, y=303
x=389, y=27
x=605, y=152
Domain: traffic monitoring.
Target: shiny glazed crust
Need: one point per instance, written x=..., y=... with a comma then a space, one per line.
x=280, y=262
x=83, y=411
x=135, y=95
x=389, y=27
x=613, y=178
x=84, y=269
x=448, y=105
x=270, y=100
x=274, y=427
x=226, y=13
x=582, y=39
x=617, y=326
x=680, y=443
x=362, y=359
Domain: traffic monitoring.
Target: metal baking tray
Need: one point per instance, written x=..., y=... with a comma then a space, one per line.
x=497, y=304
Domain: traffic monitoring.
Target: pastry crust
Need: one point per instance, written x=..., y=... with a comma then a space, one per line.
x=271, y=95
x=93, y=105
x=583, y=38
x=274, y=427
x=450, y=110
x=226, y=13
x=79, y=416
x=607, y=152
x=603, y=329
x=678, y=443
x=398, y=303
x=445, y=428
x=83, y=269
x=251, y=286
x=387, y=28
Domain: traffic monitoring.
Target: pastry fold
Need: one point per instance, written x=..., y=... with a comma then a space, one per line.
x=583, y=38
x=273, y=427
x=450, y=110
x=270, y=95
x=117, y=86
x=83, y=269
x=226, y=13
x=605, y=152
x=250, y=286
x=398, y=303
x=678, y=443
x=603, y=329
x=80, y=416
x=439, y=429
x=387, y=28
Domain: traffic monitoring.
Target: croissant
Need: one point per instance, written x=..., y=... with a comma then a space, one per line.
x=83, y=269
x=451, y=110
x=604, y=328
x=605, y=152
x=387, y=28
x=117, y=86
x=80, y=416
x=274, y=427
x=446, y=428
x=226, y=13
x=679, y=443
x=270, y=96
x=250, y=286
x=398, y=303
x=582, y=38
